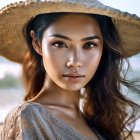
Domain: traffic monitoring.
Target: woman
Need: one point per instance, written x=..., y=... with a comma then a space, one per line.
x=71, y=71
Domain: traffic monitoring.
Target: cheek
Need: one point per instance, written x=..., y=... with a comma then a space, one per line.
x=93, y=63
x=52, y=62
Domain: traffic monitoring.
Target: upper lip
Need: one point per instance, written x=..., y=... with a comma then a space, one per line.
x=73, y=75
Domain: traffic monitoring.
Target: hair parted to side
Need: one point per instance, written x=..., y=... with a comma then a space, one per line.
x=106, y=108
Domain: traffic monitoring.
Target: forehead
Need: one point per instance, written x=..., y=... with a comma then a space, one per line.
x=75, y=23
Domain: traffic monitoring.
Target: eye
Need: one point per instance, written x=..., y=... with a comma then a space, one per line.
x=59, y=44
x=90, y=45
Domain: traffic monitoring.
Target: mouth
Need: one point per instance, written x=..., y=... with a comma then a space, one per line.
x=74, y=77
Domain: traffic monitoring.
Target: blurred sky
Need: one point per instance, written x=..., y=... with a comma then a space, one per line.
x=132, y=6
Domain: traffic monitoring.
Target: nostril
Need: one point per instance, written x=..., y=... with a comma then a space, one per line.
x=73, y=64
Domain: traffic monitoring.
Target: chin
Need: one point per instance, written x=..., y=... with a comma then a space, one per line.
x=72, y=87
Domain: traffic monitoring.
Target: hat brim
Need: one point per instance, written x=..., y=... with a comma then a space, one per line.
x=14, y=17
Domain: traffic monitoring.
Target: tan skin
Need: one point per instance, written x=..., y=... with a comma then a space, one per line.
x=75, y=53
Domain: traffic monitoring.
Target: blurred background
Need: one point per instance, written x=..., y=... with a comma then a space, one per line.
x=11, y=86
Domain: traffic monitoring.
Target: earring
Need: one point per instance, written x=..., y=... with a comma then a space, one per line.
x=83, y=92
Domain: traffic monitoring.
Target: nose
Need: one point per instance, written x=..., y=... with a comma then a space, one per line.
x=74, y=60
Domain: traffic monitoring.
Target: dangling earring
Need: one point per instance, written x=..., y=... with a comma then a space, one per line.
x=83, y=92
x=83, y=97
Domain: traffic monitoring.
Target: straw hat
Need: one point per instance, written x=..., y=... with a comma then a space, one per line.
x=14, y=16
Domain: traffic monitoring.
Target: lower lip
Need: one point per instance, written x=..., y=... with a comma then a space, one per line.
x=73, y=79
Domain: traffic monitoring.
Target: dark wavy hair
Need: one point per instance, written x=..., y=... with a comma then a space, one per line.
x=105, y=107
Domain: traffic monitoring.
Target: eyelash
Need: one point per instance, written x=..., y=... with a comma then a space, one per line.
x=91, y=43
x=64, y=45
x=59, y=42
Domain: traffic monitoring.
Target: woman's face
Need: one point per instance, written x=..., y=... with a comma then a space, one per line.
x=71, y=51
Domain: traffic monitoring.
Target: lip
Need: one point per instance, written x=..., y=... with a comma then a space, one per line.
x=73, y=75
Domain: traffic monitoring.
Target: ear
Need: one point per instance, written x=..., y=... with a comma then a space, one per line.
x=36, y=44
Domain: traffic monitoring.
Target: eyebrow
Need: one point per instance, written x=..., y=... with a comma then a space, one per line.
x=83, y=39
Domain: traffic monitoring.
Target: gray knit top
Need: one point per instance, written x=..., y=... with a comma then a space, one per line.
x=33, y=121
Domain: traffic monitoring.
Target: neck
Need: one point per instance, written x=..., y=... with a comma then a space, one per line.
x=52, y=94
